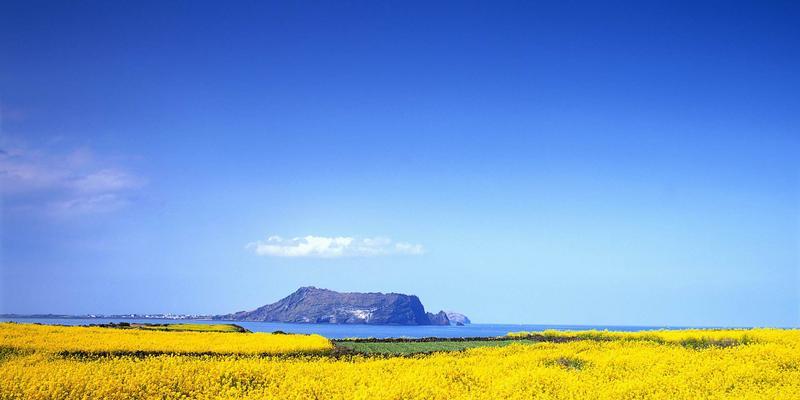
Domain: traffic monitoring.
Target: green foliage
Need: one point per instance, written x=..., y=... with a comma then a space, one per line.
x=417, y=347
x=572, y=363
x=199, y=327
x=177, y=327
x=7, y=353
x=704, y=342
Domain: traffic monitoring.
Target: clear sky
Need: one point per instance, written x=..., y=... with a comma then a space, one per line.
x=520, y=162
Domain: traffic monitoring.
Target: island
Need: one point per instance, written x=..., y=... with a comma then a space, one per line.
x=318, y=306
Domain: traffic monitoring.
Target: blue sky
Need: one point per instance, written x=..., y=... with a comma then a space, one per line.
x=519, y=162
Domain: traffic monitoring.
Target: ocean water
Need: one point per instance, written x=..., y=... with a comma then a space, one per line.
x=334, y=331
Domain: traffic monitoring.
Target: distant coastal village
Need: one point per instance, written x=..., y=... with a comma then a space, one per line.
x=111, y=316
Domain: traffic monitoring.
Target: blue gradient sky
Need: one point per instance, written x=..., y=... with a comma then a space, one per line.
x=611, y=163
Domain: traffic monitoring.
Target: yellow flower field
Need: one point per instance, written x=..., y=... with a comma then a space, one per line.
x=721, y=337
x=108, y=340
x=766, y=367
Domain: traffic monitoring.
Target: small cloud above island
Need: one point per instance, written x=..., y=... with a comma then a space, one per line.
x=332, y=247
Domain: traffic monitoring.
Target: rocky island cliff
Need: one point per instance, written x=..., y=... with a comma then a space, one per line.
x=313, y=305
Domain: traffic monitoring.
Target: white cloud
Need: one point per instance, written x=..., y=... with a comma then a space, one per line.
x=332, y=247
x=106, y=180
x=58, y=182
x=91, y=204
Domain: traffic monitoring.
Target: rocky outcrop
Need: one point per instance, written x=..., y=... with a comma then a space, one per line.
x=456, y=318
x=313, y=305
x=438, y=319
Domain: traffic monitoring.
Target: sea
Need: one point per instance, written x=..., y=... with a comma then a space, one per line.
x=341, y=331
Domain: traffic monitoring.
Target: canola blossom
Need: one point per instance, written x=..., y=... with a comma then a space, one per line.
x=764, y=367
x=70, y=339
x=689, y=337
